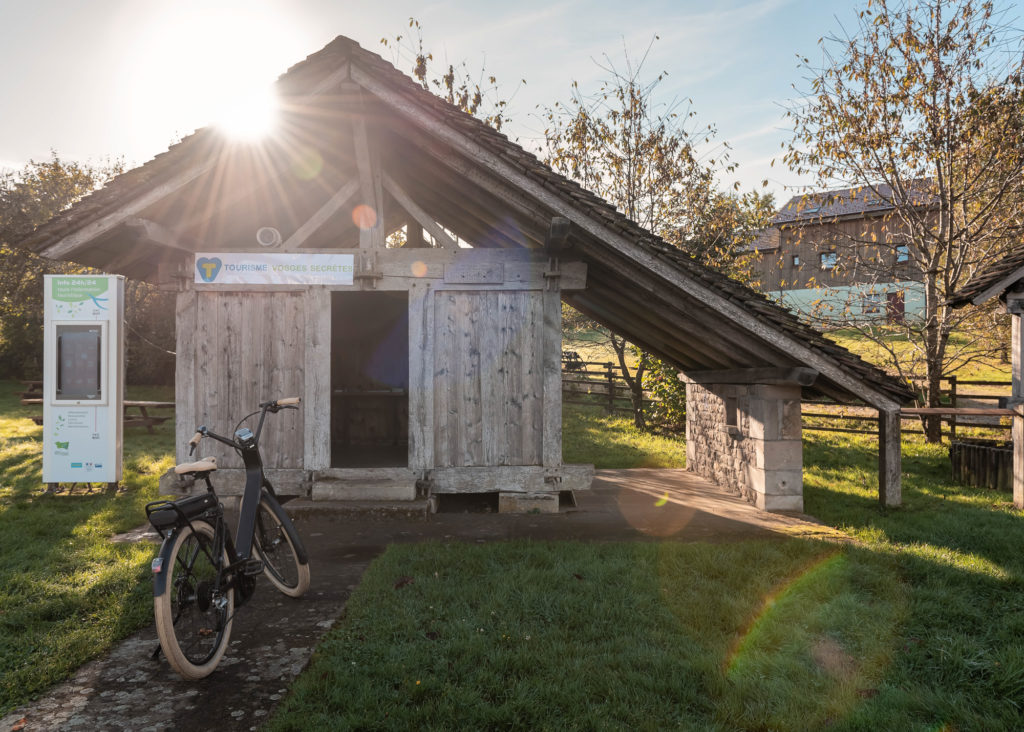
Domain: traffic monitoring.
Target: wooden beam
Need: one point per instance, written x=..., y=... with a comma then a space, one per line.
x=368, y=164
x=318, y=219
x=162, y=235
x=520, y=183
x=416, y=211
x=1016, y=394
x=963, y=411
x=68, y=244
x=799, y=376
x=890, y=457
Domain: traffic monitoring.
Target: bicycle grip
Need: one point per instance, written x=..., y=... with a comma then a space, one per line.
x=287, y=401
x=194, y=442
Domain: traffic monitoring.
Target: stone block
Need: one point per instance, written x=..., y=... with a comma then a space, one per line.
x=780, y=455
x=784, y=504
x=775, y=482
x=527, y=503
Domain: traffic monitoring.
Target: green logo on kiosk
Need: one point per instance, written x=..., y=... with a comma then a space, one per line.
x=80, y=289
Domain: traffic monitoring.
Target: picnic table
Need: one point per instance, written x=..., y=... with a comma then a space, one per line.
x=136, y=413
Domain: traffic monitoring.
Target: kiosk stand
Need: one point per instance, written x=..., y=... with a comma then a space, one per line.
x=83, y=379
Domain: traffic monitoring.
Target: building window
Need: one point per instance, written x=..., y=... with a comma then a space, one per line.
x=871, y=304
x=902, y=254
x=828, y=260
x=796, y=260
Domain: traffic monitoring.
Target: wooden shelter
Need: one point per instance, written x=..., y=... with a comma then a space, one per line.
x=438, y=366
x=1004, y=280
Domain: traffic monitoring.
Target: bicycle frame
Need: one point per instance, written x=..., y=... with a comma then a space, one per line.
x=255, y=482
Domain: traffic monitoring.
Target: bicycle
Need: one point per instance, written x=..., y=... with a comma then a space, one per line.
x=201, y=576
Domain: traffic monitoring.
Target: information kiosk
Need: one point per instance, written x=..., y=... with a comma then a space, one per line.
x=83, y=378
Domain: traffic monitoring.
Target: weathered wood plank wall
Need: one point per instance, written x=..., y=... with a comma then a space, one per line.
x=248, y=348
x=488, y=378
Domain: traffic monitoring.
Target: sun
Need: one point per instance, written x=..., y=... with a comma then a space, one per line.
x=247, y=114
x=193, y=64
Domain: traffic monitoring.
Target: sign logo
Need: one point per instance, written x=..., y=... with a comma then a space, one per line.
x=208, y=268
x=63, y=445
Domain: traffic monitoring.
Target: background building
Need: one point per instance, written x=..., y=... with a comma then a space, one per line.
x=839, y=256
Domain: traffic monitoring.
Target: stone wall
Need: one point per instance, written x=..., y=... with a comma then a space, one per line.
x=748, y=437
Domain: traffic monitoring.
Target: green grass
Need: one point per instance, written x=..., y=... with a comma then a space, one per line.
x=613, y=636
x=590, y=435
x=67, y=593
x=912, y=622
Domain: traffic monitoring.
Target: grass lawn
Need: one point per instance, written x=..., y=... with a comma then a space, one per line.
x=913, y=622
x=66, y=592
x=592, y=436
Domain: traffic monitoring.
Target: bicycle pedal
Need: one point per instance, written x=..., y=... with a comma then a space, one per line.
x=252, y=567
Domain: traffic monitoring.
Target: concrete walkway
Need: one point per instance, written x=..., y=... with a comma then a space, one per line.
x=273, y=636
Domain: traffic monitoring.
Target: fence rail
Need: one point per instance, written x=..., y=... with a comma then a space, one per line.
x=597, y=382
x=602, y=383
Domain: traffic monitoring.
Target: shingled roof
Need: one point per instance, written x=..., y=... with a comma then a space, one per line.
x=842, y=203
x=992, y=281
x=470, y=176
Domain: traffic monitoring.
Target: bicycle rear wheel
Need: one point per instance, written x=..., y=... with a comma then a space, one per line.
x=194, y=614
x=275, y=543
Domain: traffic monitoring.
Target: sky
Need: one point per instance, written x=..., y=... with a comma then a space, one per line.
x=126, y=78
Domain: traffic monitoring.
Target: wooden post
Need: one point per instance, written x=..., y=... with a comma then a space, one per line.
x=317, y=398
x=889, y=458
x=952, y=403
x=551, y=358
x=610, y=375
x=1016, y=397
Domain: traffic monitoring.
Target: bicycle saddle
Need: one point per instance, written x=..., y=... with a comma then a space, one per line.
x=200, y=466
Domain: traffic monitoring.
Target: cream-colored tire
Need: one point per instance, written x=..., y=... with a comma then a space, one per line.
x=274, y=543
x=193, y=621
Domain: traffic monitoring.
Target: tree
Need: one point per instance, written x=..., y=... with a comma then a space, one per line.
x=921, y=106
x=27, y=199
x=643, y=158
x=476, y=94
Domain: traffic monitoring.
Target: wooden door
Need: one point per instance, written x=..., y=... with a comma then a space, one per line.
x=488, y=390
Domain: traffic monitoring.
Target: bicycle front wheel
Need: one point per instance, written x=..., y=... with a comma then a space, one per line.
x=274, y=543
x=194, y=614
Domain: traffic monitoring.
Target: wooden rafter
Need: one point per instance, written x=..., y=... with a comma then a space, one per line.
x=342, y=196
x=416, y=211
x=162, y=235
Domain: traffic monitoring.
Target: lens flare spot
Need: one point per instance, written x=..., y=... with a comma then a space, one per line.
x=662, y=501
x=364, y=217
x=307, y=164
x=419, y=269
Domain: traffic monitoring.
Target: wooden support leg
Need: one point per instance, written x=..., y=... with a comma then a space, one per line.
x=1018, y=461
x=889, y=459
x=1017, y=373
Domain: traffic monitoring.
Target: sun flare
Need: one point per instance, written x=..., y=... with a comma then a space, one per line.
x=248, y=114
x=195, y=65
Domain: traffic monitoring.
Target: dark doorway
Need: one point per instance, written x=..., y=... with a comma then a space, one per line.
x=369, y=379
x=895, y=307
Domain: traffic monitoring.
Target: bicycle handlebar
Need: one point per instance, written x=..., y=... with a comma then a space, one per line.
x=271, y=406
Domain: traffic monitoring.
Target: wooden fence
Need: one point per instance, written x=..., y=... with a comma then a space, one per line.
x=596, y=382
x=952, y=396
x=602, y=383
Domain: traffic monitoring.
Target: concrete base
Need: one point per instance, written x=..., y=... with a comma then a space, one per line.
x=528, y=503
